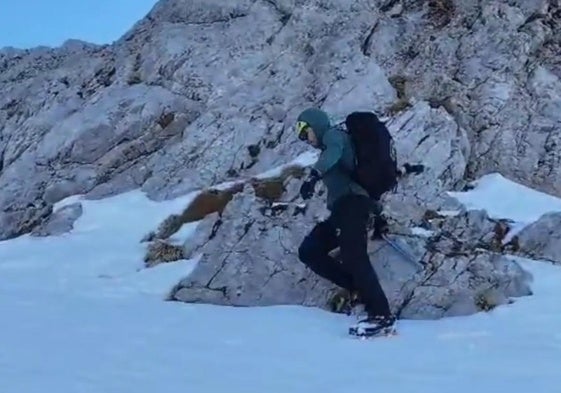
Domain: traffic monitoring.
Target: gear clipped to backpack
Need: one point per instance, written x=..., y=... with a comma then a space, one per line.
x=376, y=167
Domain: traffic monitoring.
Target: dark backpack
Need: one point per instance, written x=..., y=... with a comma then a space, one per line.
x=376, y=163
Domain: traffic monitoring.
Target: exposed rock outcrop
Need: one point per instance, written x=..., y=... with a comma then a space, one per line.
x=541, y=239
x=195, y=94
x=249, y=257
x=61, y=221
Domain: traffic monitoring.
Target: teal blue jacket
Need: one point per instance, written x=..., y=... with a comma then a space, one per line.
x=337, y=158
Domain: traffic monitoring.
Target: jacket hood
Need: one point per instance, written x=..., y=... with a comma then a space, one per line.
x=318, y=120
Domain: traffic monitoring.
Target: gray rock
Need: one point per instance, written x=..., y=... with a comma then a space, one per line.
x=455, y=285
x=61, y=221
x=173, y=105
x=541, y=240
x=249, y=258
x=429, y=136
x=468, y=231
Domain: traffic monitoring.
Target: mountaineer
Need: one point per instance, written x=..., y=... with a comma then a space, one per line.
x=357, y=166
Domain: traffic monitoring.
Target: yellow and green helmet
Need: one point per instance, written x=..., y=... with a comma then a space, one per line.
x=315, y=119
x=302, y=130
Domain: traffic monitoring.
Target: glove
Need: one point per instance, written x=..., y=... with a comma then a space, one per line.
x=376, y=207
x=419, y=168
x=308, y=187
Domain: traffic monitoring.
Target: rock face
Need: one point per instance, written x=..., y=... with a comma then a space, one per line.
x=203, y=92
x=195, y=94
x=541, y=239
x=249, y=257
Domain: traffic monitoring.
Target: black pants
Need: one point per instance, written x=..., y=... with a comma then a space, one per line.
x=355, y=273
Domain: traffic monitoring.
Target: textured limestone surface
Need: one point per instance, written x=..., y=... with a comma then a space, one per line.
x=248, y=257
x=541, y=239
x=199, y=92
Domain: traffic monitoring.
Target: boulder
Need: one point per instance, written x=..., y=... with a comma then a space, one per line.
x=540, y=240
x=248, y=257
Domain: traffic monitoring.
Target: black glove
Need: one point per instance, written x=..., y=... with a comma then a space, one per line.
x=376, y=207
x=419, y=168
x=308, y=187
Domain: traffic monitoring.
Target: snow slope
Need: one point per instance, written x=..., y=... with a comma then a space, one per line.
x=80, y=315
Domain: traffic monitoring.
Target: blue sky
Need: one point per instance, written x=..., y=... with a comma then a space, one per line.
x=30, y=23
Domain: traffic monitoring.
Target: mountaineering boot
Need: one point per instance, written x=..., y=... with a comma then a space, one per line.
x=374, y=326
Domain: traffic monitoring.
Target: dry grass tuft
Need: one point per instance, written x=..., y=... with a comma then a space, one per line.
x=161, y=252
x=207, y=202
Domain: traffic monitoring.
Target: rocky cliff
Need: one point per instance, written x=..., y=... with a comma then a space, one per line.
x=200, y=93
